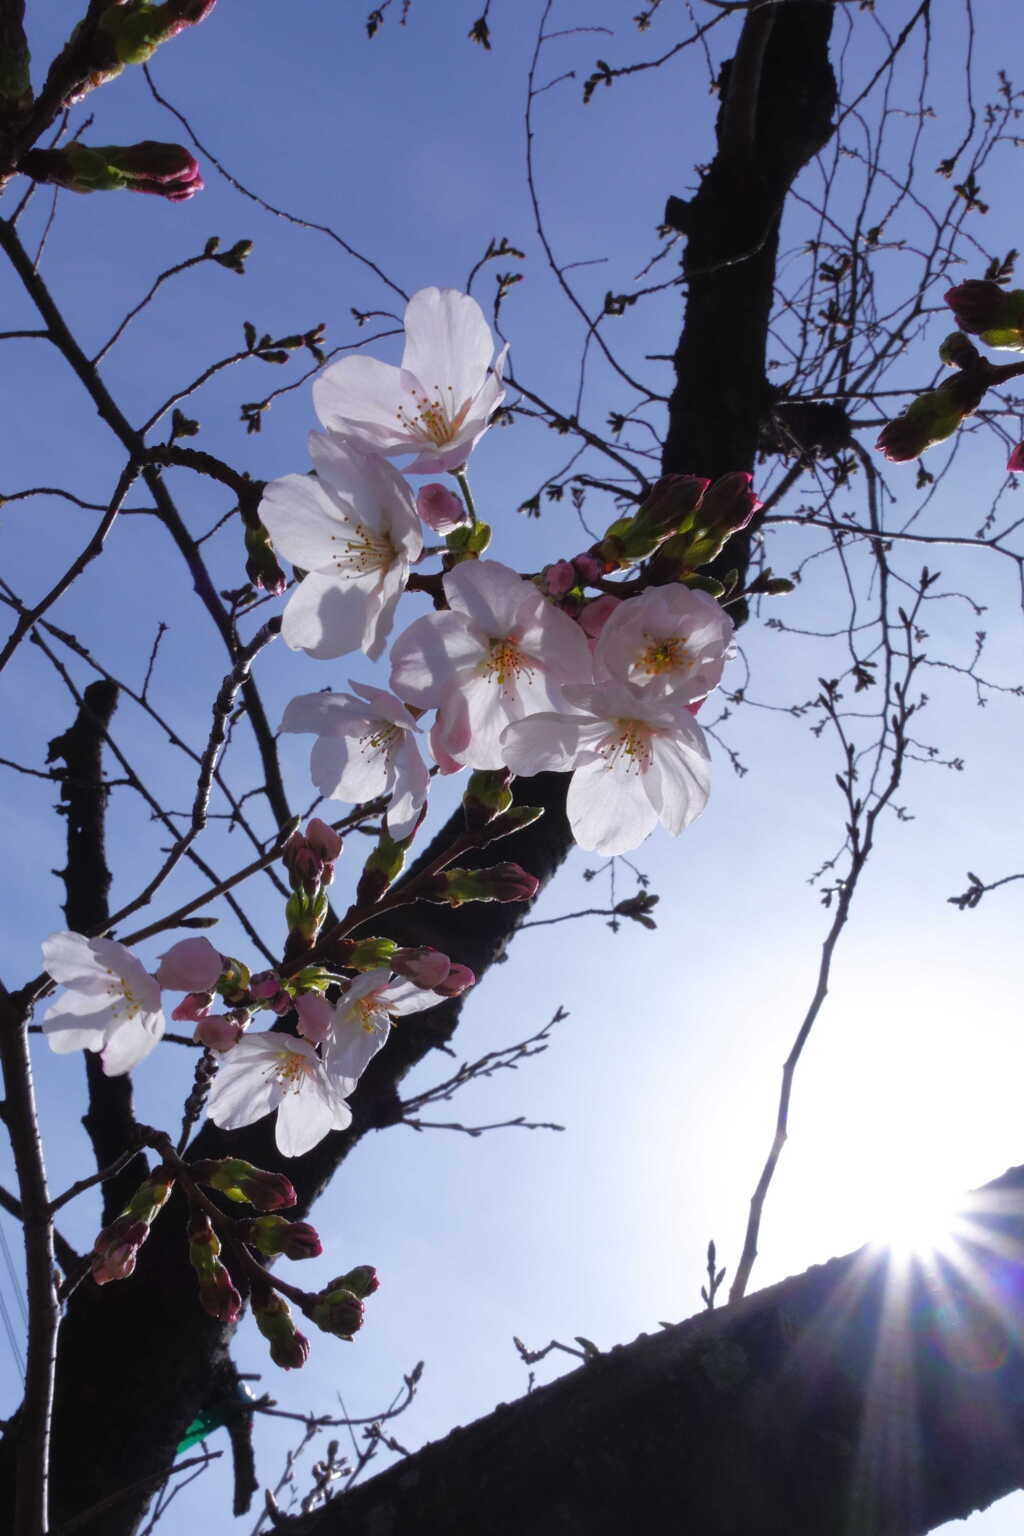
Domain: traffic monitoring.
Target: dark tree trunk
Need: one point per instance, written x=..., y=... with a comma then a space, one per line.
x=843, y=1402
x=135, y=1367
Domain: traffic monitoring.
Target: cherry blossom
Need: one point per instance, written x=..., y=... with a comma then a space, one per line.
x=499, y=652
x=275, y=1071
x=365, y=746
x=111, y=1003
x=637, y=758
x=362, y=1022
x=354, y=529
x=438, y=404
x=670, y=638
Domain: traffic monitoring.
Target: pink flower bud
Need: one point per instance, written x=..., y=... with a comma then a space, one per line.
x=1016, y=460
x=117, y=1248
x=323, y=840
x=219, y=1031
x=595, y=616
x=303, y=863
x=425, y=966
x=588, y=567
x=730, y=503
x=440, y=509
x=315, y=1016
x=559, y=578
x=459, y=978
x=265, y=985
x=192, y=1008
x=191, y=965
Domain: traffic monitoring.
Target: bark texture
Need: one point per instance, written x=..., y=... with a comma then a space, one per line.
x=134, y=1368
x=858, y=1399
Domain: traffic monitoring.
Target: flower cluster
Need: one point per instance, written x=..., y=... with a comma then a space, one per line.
x=519, y=674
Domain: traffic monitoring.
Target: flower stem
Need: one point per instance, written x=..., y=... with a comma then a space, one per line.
x=467, y=495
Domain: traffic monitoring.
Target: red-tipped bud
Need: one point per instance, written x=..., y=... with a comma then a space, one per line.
x=274, y=1235
x=244, y=1183
x=361, y=1281
x=670, y=507
x=424, y=966
x=1016, y=460
x=729, y=504
x=337, y=1311
x=933, y=416
x=116, y=1249
x=288, y=1347
x=303, y=863
x=117, y=1246
x=500, y=882
x=217, y=1295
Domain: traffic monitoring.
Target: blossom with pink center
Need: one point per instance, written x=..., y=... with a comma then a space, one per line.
x=111, y=1003
x=497, y=653
x=355, y=531
x=440, y=508
x=438, y=404
x=669, y=638
x=275, y=1071
x=191, y=965
x=362, y=1022
x=637, y=757
x=365, y=747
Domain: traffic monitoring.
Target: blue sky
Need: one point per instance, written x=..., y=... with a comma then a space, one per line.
x=666, y=1072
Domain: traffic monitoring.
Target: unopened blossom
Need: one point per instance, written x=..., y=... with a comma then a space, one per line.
x=362, y=1022
x=670, y=638
x=499, y=652
x=365, y=747
x=219, y=1031
x=637, y=758
x=275, y=1071
x=440, y=508
x=192, y=1008
x=191, y=965
x=111, y=1003
x=355, y=531
x=438, y=404
x=1016, y=460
